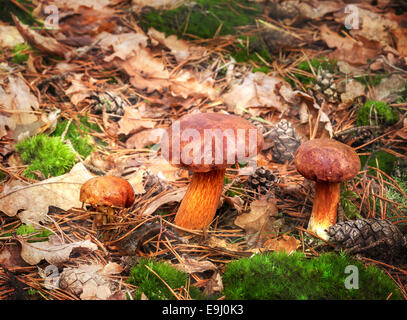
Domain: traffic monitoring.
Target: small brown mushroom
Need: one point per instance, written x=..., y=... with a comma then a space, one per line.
x=207, y=144
x=105, y=194
x=328, y=163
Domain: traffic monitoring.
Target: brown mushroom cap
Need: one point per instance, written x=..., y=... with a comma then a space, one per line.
x=108, y=191
x=326, y=160
x=218, y=124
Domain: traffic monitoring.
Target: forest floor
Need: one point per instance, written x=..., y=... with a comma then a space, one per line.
x=100, y=77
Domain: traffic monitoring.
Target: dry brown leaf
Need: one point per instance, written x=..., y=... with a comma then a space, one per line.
x=10, y=257
x=53, y=251
x=124, y=45
x=142, y=139
x=389, y=88
x=62, y=192
x=260, y=222
x=259, y=90
x=193, y=265
x=79, y=89
x=180, y=49
x=132, y=121
x=173, y=196
x=149, y=73
x=350, y=50
x=284, y=243
x=44, y=44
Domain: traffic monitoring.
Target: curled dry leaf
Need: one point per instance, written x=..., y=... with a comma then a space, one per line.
x=193, y=265
x=53, y=251
x=10, y=257
x=44, y=44
x=259, y=90
x=62, y=192
x=173, y=196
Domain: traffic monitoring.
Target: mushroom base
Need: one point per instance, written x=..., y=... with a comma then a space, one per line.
x=201, y=200
x=324, y=210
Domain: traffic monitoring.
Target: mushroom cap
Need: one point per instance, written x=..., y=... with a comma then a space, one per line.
x=107, y=190
x=202, y=142
x=326, y=160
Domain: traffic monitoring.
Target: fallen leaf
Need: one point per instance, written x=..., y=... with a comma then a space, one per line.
x=284, y=243
x=44, y=44
x=53, y=251
x=10, y=257
x=62, y=192
x=259, y=222
x=259, y=90
x=132, y=121
x=142, y=139
x=9, y=36
x=180, y=49
x=79, y=89
x=193, y=265
x=348, y=49
x=174, y=196
x=124, y=45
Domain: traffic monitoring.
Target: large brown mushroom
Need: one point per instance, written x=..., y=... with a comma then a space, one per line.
x=328, y=163
x=207, y=144
x=106, y=193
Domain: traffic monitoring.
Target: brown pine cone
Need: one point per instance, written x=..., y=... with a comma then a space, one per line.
x=375, y=238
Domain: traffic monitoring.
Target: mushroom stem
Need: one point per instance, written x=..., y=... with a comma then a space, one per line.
x=325, y=206
x=201, y=200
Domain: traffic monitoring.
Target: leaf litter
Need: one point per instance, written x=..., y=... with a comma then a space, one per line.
x=102, y=52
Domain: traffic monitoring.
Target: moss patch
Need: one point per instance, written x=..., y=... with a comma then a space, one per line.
x=296, y=277
x=78, y=135
x=48, y=155
x=149, y=284
x=376, y=113
x=202, y=18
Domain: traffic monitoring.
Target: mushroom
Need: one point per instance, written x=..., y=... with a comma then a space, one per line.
x=105, y=194
x=207, y=144
x=328, y=163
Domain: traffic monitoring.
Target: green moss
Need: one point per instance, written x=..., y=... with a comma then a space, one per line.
x=371, y=80
x=25, y=229
x=202, y=18
x=296, y=277
x=19, y=53
x=350, y=209
x=77, y=133
x=48, y=155
x=382, y=160
x=396, y=196
x=149, y=284
x=10, y=7
x=379, y=110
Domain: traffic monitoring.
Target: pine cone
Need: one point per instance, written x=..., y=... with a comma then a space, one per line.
x=375, y=238
x=324, y=87
x=262, y=181
x=284, y=142
x=110, y=102
x=357, y=137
